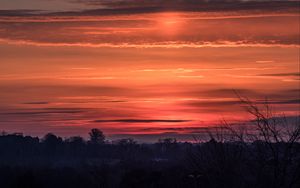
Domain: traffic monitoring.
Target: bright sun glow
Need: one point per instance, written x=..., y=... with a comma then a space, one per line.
x=169, y=23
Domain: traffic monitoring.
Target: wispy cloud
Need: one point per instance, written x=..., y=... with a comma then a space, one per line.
x=168, y=45
x=277, y=76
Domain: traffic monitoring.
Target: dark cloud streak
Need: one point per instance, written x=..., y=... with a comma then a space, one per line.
x=40, y=111
x=135, y=6
x=36, y=103
x=296, y=74
x=118, y=7
x=140, y=121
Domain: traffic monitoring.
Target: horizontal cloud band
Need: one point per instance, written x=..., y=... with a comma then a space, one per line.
x=141, y=121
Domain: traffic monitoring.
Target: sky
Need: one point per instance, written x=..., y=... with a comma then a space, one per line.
x=144, y=69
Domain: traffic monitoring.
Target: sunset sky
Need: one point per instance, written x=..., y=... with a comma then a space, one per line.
x=145, y=69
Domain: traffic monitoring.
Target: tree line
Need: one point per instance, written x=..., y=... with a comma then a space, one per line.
x=265, y=155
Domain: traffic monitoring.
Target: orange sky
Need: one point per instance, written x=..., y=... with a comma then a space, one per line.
x=148, y=74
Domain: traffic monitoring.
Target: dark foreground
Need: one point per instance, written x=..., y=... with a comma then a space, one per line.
x=27, y=162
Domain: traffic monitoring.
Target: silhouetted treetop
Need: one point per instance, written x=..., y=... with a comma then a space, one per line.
x=52, y=139
x=96, y=136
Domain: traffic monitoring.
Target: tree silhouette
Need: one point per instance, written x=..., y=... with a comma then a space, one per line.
x=52, y=140
x=127, y=142
x=266, y=148
x=52, y=143
x=76, y=140
x=96, y=136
